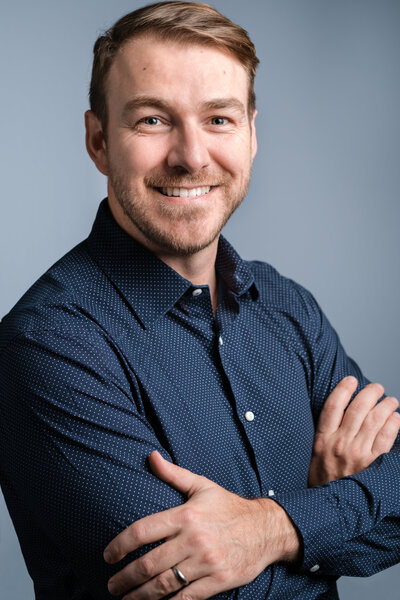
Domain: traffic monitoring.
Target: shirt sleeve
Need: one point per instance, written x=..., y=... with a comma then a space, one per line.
x=74, y=442
x=350, y=526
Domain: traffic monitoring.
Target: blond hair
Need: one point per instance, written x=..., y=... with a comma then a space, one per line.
x=185, y=22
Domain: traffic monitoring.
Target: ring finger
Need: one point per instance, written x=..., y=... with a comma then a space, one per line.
x=165, y=583
x=148, y=567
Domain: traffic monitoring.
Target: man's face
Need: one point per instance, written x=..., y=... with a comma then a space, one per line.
x=180, y=143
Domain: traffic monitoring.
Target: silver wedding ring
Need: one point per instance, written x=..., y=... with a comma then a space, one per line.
x=180, y=576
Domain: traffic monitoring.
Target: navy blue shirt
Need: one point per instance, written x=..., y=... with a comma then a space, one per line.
x=112, y=354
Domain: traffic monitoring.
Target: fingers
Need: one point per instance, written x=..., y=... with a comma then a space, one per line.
x=333, y=409
x=360, y=407
x=153, y=569
x=198, y=590
x=386, y=437
x=145, y=531
x=160, y=525
x=181, y=479
x=374, y=421
x=166, y=582
x=202, y=589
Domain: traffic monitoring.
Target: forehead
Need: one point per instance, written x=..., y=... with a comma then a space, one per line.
x=179, y=72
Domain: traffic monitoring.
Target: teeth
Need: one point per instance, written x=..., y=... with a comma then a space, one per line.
x=184, y=192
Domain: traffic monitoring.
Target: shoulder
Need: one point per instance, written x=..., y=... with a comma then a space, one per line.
x=62, y=299
x=62, y=334
x=280, y=293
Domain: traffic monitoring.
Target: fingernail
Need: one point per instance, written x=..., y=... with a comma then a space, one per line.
x=107, y=556
x=350, y=379
x=112, y=587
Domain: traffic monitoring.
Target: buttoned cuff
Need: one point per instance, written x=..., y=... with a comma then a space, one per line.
x=315, y=514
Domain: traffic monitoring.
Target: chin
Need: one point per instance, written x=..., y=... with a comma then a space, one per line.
x=183, y=245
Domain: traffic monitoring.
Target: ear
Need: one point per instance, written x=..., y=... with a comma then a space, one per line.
x=253, y=135
x=95, y=142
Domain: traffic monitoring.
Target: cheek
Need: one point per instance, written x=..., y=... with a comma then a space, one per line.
x=233, y=157
x=140, y=156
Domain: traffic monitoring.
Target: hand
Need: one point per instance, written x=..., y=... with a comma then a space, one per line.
x=217, y=539
x=345, y=445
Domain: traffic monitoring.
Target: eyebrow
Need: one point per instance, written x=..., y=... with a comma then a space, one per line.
x=154, y=102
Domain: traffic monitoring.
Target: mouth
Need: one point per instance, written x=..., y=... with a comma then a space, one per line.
x=181, y=192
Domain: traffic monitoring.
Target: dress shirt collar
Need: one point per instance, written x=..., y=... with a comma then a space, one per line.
x=150, y=286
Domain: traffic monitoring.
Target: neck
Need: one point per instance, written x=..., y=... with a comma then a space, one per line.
x=198, y=268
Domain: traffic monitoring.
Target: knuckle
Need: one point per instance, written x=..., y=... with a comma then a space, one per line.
x=199, y=540
x=319, y=445
x=371, y=421
x=137, y=532
x=188, y=516
x=163, y=584
x=146, y=567
x=385, y=437
x=339, y=448
x=187, y=596
x=210, y=557
x=224, y=577
x=329, y=407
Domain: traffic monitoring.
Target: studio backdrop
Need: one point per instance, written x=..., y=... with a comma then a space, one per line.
x=323, y=206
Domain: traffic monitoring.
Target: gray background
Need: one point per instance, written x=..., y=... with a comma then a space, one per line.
x=322, y=206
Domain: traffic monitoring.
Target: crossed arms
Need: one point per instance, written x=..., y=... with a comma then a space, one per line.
x=74, y=452
x=222, y=541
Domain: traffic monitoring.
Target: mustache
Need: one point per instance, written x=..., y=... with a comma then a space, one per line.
x=186, y=180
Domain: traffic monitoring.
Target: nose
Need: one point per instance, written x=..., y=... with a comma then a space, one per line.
x=188, y=149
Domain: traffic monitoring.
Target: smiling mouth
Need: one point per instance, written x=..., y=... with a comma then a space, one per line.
x=184, y=192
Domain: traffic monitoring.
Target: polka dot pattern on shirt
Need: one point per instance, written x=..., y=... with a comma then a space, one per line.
x=112, y=354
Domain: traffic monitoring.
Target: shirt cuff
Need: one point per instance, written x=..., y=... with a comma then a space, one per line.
x=315, y=514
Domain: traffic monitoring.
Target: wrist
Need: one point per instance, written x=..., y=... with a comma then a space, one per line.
x=282, y=539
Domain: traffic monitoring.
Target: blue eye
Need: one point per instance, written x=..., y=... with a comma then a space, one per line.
x=219, y=120
x=151, y=121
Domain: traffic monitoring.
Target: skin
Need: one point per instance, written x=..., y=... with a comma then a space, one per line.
x=346, y=443
x=181, y=137
x=166, y=129
x=221, y=541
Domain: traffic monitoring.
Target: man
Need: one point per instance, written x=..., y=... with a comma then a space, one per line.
x=153, y=334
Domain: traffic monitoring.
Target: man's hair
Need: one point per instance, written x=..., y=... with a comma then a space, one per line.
x=184, y=22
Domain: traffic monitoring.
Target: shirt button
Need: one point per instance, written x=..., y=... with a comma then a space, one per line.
x=249, y=416
x=220, y=340
x=314, y=569
x=197, y=292
x=271, y=493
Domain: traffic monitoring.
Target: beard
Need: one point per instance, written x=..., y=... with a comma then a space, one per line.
x=150, y=216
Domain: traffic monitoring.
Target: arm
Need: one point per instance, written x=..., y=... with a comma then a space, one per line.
x=219, y=540
x=246, y=535
x=74, y=446
x=356, y=516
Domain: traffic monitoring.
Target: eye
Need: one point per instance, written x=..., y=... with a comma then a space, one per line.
x=150, y=121
x=219, y=121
